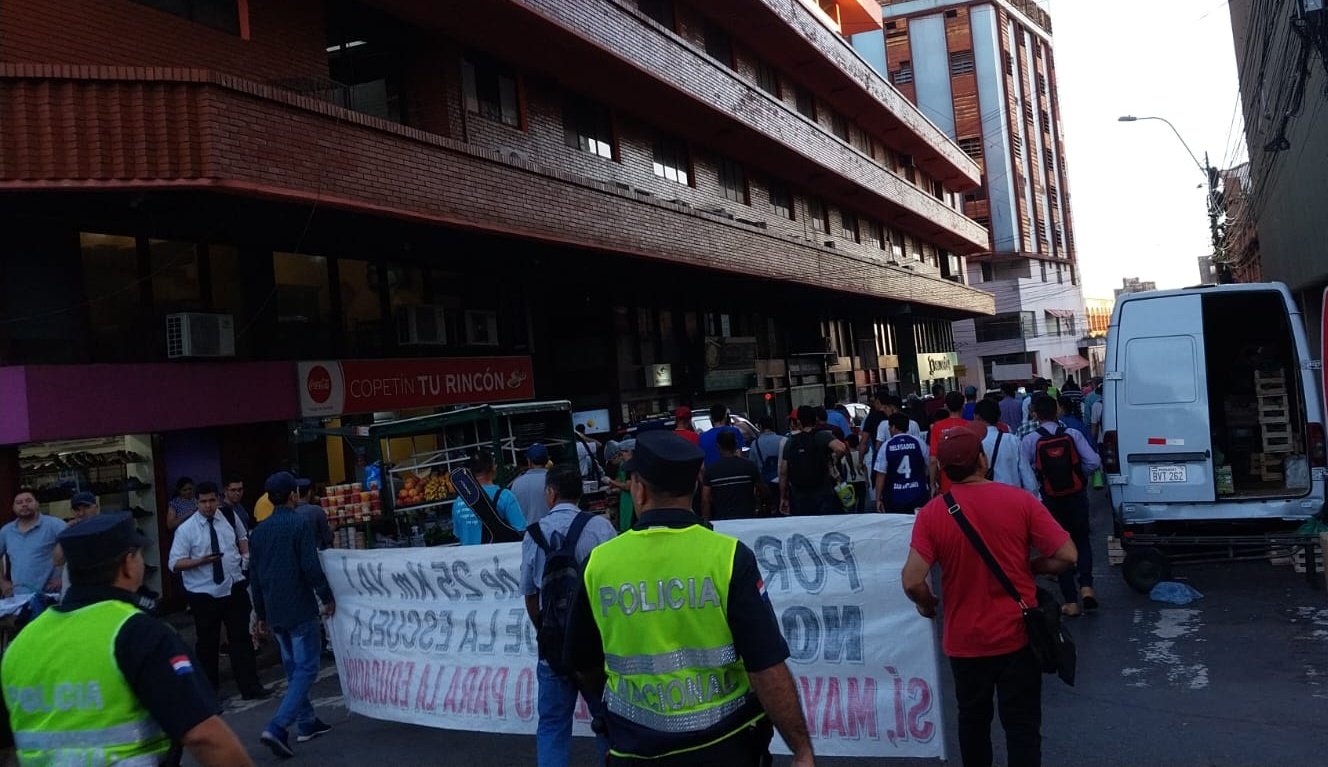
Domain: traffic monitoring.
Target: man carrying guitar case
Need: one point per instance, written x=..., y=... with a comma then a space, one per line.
x=483, y=511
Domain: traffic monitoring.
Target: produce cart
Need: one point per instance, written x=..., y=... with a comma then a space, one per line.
x=407, y=462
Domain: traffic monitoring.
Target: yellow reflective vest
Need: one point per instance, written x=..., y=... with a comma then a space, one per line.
x=660, y=599
x=69, y=703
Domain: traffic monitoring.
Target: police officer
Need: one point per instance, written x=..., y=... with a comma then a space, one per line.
x=675, y=627
x=97, y=681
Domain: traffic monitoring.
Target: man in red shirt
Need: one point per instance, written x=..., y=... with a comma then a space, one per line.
x=984, y=634
x=954, y=404
x=682, y=425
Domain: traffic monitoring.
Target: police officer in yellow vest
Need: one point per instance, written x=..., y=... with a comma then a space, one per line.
x=96, y=681
x=675, y=627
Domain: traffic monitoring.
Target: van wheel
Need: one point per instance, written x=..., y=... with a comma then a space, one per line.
x=1145, y=568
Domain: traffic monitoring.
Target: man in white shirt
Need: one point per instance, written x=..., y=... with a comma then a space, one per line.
x=208, y=553
x=1005, y=456
x=895, y=404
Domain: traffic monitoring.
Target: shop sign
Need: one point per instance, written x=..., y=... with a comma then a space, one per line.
x=720, y=380
x=937, y=365
x=730, y=353
x=658, y=376
x=367, y=386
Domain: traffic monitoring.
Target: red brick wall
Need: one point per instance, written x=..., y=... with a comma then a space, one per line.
x=286, y=40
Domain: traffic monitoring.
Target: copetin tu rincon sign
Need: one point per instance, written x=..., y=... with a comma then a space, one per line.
x=367, y=386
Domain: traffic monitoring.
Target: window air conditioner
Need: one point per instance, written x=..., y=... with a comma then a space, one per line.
x=193, y=334
x=421, y=326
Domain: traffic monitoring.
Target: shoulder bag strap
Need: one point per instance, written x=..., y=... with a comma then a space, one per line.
x=574, y=530
x=537, y=535
x=983, y=551
x=995, y=451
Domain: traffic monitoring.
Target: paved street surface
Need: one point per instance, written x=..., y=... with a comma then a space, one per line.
x=1238, y=678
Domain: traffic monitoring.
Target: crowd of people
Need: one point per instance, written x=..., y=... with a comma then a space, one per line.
x=1016, y=470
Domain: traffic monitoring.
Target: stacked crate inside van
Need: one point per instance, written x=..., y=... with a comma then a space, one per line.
x=1270, y=388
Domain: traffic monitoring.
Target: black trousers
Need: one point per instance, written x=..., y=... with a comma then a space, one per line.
x=1016, y=683
x=1071, y=513
x=210, y=614
x=748, y=748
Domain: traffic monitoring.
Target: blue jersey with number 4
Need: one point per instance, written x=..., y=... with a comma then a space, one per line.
x=906, y=484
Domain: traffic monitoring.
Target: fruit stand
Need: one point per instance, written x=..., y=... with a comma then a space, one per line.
x=406, y=493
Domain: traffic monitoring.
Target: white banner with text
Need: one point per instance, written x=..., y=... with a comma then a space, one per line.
x=439, y=636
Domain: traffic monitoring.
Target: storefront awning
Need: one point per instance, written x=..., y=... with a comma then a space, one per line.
x=1070, y=363
x=1064, y=314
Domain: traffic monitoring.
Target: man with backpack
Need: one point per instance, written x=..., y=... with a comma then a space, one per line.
x=553, y=555
x=765, y=454
x=806, y=482
x=1063, y=460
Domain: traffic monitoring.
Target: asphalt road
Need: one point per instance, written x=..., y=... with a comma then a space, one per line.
x=1238, y=678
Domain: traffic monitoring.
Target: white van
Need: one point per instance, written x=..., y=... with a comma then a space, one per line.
x=1212, y=408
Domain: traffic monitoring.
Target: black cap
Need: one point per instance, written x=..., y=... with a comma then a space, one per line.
x=83, y=498
x=100, y=539
x=283, y=483
x=667, y=461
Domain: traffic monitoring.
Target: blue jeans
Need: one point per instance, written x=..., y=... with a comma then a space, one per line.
x=300, y=648
x=557, y=705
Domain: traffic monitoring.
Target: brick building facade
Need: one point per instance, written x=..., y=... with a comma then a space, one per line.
x=604, y=186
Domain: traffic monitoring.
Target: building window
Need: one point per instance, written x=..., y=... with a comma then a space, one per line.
x=988, y=273
x=1044, y=270
x=586, y=126
x=974, y=195
x=817, y=213
x=1074, y=275
x=805, y=102
x=1006, y=327
x=1042, y=84
x=733, y=180
x=767, y=78
x=718, y=44
x=671, y=160
x=659, y=10
x=961, y=63
x=781, y=202
x=362, y=325
x=1009, y=64
x=874, y=234
x=304, y=304
x=848, y=226
x=839, y=125
x=1060, y=275
x=903, y=75
x=490, y=90
x=983, y=221
x=971, y=147
x=1017, y=146
x=221, y=15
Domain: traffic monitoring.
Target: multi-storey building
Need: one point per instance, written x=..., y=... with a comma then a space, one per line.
x=1280, y=53
x=638, y=204
x=984, y=73
x=1134, y=285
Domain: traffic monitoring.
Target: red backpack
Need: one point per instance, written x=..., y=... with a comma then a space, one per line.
x=1058, y=464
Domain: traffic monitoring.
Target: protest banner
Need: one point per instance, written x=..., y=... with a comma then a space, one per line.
x=439, y=636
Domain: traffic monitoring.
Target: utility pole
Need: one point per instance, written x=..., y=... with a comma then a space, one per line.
x=1223, y=269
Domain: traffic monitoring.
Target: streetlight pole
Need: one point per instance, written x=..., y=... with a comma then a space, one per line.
x=1210, y=178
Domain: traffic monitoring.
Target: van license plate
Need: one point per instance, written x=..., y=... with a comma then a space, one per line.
x=1164, y=475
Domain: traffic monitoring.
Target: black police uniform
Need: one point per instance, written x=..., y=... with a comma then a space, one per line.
x=756, y=636
x=178, y=697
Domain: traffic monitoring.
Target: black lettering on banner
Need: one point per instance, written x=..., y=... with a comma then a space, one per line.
x=519, y=632
x=810, y=574
x=459, y=572
x=446, y=583
x=470, y=634
x=769, y=552
x=843, y=633
x=802, y=632
x=837, y=550
x=345, y=570
x=405, y=585
x=416, y=571
x=486, y=646
x=371, y=579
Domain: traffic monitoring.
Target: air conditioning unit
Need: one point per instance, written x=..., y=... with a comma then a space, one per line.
x=193, y=334
x=421, y=326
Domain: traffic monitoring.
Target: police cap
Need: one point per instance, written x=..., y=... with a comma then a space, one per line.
x=100, y=539
x=666, y=461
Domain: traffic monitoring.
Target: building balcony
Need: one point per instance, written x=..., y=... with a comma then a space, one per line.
x=658, y=76
x=121, y=128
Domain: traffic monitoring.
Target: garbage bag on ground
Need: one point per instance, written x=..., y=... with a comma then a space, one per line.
x=1174, y=593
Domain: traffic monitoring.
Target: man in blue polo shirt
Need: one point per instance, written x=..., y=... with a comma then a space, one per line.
x=719, y=421
x=29, y=543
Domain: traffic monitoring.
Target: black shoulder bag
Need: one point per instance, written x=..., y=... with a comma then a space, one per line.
x=1047, y=637
x=995, y=451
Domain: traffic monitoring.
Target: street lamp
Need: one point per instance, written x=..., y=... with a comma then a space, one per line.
x=1210, y=176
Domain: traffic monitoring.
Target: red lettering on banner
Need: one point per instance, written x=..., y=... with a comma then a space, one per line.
x=498, y=691
x=811, y=699
x=377, y=385
x=525, y=694
x=832, y=720
x=861, y=707
x=920, y=692
x=845, y=708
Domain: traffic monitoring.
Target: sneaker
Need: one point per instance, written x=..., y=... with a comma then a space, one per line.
x=278, y=744
x=317, y=728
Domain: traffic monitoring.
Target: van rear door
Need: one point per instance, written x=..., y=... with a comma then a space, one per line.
x=1161, y=406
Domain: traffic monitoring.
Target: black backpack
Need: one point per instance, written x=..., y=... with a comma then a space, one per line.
x=560, y=583
x=807, y=462
x=1058, y=464
x=769, y=464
